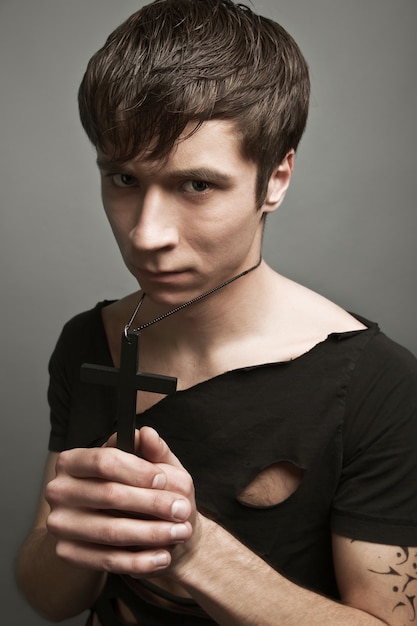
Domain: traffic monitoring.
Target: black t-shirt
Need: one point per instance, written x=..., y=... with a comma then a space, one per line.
x=345, y=413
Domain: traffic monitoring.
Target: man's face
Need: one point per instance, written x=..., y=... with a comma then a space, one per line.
x=186, y=224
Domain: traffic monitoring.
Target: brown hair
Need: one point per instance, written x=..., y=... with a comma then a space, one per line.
x=176, y=62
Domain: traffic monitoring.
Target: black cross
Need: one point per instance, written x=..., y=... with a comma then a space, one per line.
x=128, y=381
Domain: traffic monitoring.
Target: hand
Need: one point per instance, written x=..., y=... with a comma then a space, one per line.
x=118, y=512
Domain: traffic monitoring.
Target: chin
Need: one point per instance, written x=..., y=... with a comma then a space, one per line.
x=166, y=298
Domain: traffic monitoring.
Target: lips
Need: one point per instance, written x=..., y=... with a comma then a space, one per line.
x=160, y=276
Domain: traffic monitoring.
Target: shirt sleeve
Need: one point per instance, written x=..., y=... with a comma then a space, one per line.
x=376, y=499
x=59, y=393
x=80, y=414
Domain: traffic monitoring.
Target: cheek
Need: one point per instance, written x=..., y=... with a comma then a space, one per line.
x=120, y=215
x=231, y=235
x=239, y=224
x=111, y=215
x=118, y=226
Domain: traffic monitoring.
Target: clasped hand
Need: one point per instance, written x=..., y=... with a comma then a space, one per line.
x=123, y=513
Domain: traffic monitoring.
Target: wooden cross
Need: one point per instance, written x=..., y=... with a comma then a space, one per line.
x=128, y=381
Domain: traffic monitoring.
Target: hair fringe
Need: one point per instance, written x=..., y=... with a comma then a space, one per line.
x=179, y=62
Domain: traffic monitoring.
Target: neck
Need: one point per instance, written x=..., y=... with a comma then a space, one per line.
x=185, y=305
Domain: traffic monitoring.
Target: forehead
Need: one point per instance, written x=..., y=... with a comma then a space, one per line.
x=213, y=143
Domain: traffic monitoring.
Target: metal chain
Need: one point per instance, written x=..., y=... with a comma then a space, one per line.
x=181, y=306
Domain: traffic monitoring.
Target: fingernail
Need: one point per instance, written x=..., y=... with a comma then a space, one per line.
x=158, y=481
x=179, y=531
x=179, y=510
x=160, y=559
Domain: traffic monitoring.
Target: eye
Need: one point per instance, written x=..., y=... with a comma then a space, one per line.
x=123, y=180
x=196, y=186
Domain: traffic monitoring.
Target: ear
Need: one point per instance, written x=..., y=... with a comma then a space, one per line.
x=279, y=183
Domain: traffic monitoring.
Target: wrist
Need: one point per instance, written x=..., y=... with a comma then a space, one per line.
x=187, y=557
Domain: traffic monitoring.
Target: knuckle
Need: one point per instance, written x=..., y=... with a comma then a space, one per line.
x=62, y=462
x=155, y=535
x=50, y=523
x=110, y=495
x=144, y=474
x=51, y=493
x=58, y=491
x=103, y=460
x=54, y=522
x=140, y=564
x=182, y=482
x=107, y=535
x=161, y=504
x=108, y=564
x=62, y=549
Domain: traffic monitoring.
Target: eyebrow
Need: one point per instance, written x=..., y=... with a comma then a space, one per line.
x=201, y=173
x=198, y=173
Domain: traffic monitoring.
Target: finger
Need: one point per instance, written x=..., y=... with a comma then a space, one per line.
x=154, y=449
x=94, y=495
x=112, y=440
x=151, y=447
x=132, y=563
x=114, y=531
x=110, y=464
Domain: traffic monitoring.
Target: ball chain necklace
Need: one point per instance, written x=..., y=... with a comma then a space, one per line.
x=128, y=380
x=128, y=328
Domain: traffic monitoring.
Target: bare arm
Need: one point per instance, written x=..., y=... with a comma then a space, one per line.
x=230, y=582
x=380, y=578
x=53, y=587
x=237, y=588
x=377, y=583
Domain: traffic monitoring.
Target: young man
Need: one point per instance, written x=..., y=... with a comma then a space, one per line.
x=277, y=484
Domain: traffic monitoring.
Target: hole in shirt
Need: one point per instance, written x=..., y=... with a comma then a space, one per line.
x=273, y=485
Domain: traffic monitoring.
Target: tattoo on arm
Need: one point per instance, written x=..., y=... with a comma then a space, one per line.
x=403, y=574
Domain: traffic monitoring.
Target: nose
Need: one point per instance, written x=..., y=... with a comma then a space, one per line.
x=156, y=225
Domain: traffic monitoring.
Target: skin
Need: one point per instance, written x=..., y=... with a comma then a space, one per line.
x=184, y=226
x=197, y=226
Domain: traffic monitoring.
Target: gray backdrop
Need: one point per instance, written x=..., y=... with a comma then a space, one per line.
x=347, y=229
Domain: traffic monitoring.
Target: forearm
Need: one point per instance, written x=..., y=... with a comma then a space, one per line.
x=237, y=588
x=54, y=588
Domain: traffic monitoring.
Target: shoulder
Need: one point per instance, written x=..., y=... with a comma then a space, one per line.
x=380, y=427
x=376, y=498
x=387, y=354
x=383, y=384
x=381, y=402
x=384, y=369
x=80, y=335
x=303, y=318
x=86, y=318
x=93, y=332
x=84, y=325
x=303, y=310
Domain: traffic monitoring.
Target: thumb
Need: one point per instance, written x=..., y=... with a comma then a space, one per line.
x=111, y=442
x=151, y=447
